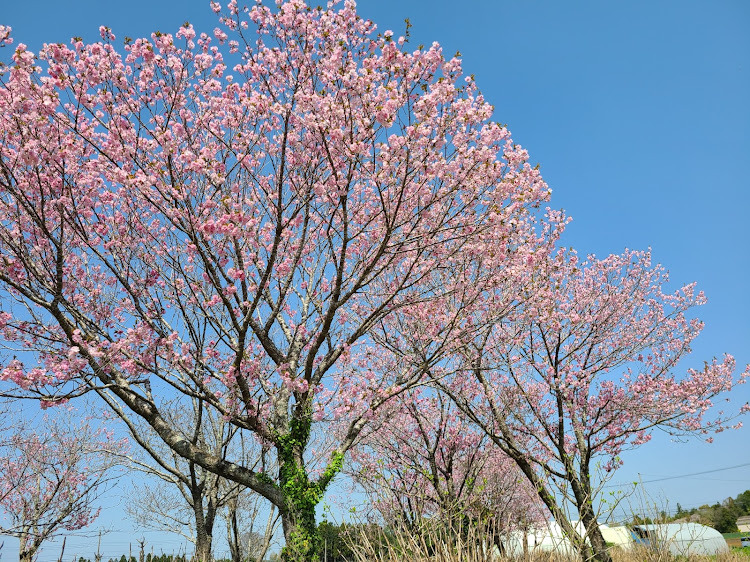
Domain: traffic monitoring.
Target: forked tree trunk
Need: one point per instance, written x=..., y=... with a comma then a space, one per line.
x=28, y=547
x=593, y=550
x=302, y=496
x=203, y=546
x=204, y=526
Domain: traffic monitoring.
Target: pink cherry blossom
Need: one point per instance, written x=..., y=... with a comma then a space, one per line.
x=236, y=215
x=50, y=482
x=587, y=365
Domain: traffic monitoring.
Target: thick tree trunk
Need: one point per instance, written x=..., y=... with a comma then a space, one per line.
x=300, y=534
x=28, y=548
x=599, y=545
x=203, y=546
x=204, y=524
x=301, y=496
x=298, y=516
x=202, y=489
x=596, y=549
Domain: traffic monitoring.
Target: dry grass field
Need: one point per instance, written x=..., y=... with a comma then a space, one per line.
x=431, y=546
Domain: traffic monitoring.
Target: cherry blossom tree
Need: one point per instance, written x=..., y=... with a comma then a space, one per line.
x=50, y=481
x=589, y=366
x=424, y=459
x=230, y=216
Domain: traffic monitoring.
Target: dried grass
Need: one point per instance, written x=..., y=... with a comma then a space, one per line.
x=643, y=554
x=428, y=542
x=432, y=543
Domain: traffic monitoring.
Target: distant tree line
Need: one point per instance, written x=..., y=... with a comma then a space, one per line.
x=149, y=558
x=721, y=516
x=158, y=558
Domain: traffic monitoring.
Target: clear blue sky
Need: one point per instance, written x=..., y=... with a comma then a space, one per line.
x=638, y=114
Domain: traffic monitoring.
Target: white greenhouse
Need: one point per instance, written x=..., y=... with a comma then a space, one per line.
x=681, y=539
x=619, y=536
